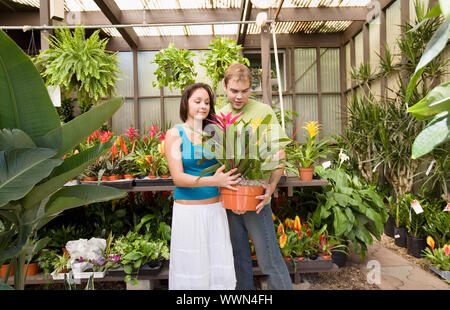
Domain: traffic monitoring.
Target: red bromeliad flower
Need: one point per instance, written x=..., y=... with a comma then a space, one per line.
x=105, y=136
x=153, y=131
x=131, y=133
x=224, y=120
x=308, y=232
x=430, y=242
x=322, y=241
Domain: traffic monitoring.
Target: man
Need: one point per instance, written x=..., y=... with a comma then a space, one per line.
x=237, y=85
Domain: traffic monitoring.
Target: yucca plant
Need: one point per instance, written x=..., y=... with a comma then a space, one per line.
x=80, y=64
x=32, y=171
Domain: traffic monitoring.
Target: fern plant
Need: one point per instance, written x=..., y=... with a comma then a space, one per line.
x=80, y=65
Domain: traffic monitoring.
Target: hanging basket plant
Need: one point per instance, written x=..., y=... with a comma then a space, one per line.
x=175, y=68
x=80, y=65
x=222, y=53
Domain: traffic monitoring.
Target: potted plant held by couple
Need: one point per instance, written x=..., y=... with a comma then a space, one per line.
x=247, y=146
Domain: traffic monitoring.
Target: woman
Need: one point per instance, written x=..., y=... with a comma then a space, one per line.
x=201, y=256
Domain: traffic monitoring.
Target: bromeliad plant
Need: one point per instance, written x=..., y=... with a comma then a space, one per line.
x=305, y=155
x=33, y=173
x=241, y=145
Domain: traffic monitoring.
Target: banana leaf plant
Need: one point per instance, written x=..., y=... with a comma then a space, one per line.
x=434, y=107
x=32, y=170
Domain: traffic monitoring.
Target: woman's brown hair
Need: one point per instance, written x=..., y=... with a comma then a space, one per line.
x=184, y=103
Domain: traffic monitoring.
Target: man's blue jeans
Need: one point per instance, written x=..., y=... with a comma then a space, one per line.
x=261, y=229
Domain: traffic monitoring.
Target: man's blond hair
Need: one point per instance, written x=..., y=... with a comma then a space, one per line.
x=238, y=72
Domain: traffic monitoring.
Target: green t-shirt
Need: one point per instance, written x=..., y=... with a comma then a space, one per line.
x=254, y=110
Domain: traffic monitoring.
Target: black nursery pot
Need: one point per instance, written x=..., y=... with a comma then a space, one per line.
x=339, y=258
x=389, y=227
x=400, y=236
x=415, y=245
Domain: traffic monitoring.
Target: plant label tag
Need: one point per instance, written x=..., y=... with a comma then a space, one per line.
x=417, y=207
x=447, y=208
x=397, y=236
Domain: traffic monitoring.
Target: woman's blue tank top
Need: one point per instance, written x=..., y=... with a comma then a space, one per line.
x=190, y=155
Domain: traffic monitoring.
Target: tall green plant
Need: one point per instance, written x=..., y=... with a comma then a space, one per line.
x=352, y=210
x=80, y=65
x=32, y=171
x=222, y=53
x=435, y=106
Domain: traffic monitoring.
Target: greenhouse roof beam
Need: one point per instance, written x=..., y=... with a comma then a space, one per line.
x=194, y=15
x=113, y=14
x=245, y=15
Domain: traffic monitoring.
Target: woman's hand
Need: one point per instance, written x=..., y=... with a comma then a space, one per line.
x=226, y=179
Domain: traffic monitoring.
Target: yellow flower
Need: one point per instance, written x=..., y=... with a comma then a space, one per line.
x=297, y=224
x=255, y=123
x=430, y=242
x=313, y=128
x=283, y=240
x=161, y=148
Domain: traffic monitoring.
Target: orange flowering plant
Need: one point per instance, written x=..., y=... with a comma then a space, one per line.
x=440, y=257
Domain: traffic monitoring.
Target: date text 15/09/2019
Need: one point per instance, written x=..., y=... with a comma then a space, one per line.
x=226, y=299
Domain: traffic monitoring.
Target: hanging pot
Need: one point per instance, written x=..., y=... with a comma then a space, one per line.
x=389, y=227
x=400, y=236
x=242, y=199
x=415, y=245
x=306, y=174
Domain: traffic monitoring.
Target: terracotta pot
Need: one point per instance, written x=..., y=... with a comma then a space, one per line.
x=306, y=174
x=4, y=269
x=242, y=199
x=287, y=259
x=33, y=269
x=325, y=256
x=152, y=176
x=300, y=258
x=105, y=177
x=128, y=176
x=65, y=252
x=115, y=177
x=165, y=176
x=90, y=179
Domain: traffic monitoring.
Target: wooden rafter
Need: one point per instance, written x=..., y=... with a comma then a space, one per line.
x=113, y=14
x=241, y=34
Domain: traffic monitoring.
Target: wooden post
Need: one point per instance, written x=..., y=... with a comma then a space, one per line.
x=343, y=85
x=136, y=109
x=265, y=63
x=44, y=19
x=319, y=90
x=382, y=49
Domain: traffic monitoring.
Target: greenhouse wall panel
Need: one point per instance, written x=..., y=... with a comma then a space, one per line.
x=124, y=87
x=172, y=111
x=393, y=29
x=332, y=116
x=146, y=76
x=374, y=37
x=329, y=68
x=306, y=107
x=123, y=118
x=305, y=70
x=348, y=65
x=149, y=113
x=359, y=50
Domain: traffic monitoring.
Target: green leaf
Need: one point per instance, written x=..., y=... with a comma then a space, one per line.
x=25, y=103
x=78, y=195
x=21, y=169
x=75, y=131
x=70, y=168
x=436, y=133
x=437, y=43
x=435, y=102
x=15, y=139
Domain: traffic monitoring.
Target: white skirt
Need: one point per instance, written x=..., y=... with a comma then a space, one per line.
x=201, y=256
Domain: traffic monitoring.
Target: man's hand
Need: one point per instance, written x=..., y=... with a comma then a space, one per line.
x=268, y=191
